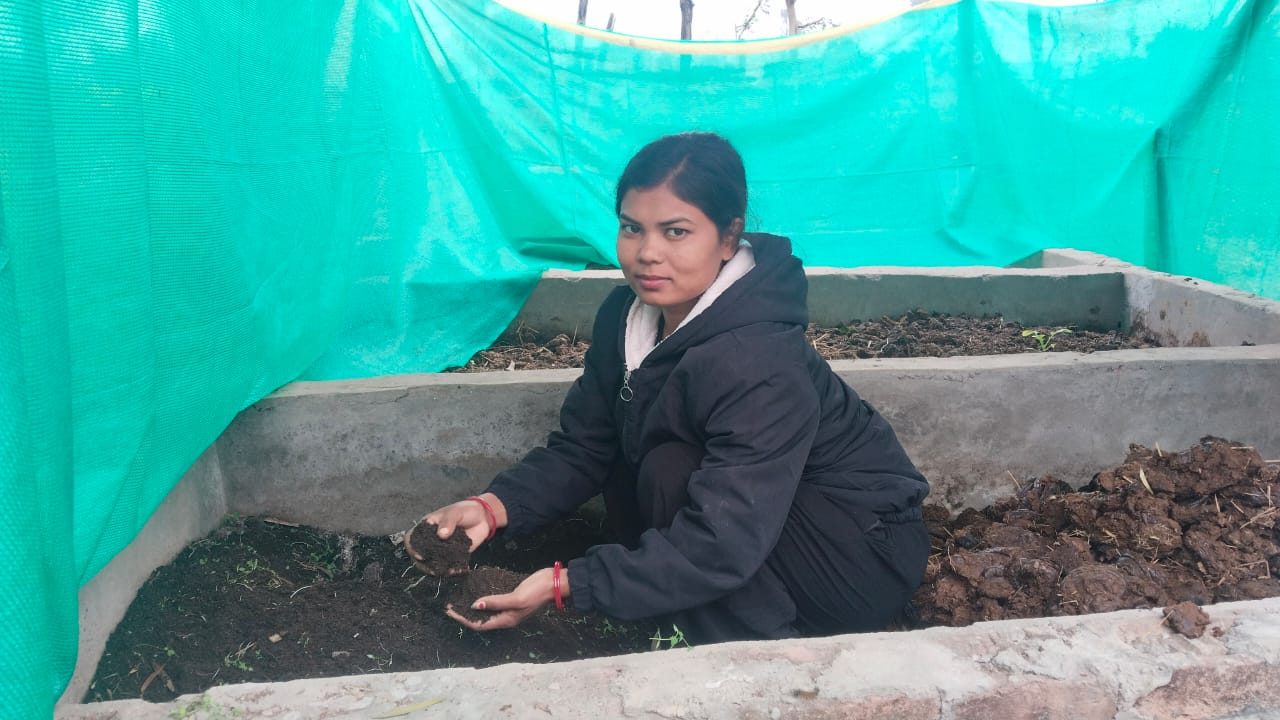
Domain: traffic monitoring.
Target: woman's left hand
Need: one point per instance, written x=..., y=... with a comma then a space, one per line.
x=516, y=606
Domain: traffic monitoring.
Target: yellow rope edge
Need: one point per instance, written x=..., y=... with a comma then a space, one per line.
x=722, y=47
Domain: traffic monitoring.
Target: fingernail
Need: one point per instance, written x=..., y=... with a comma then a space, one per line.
x=478, y=605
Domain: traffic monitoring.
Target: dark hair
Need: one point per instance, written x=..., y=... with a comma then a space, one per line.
x=702, y=169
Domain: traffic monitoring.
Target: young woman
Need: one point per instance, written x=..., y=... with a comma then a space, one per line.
x=754, y=494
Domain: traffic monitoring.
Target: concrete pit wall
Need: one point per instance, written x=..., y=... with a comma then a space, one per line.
x=1050, y=288
x=1084, y=297
x=1119, y=665
x=372, y=455
x=1179, y=310
x=390, y=448
x=192, y=510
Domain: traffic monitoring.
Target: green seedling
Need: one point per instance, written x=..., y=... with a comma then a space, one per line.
x=317, y=554
x=1044, y=341
x=236, y=659
x=245, y=572
x=676, y=638
x=609, y=628
x=321, y=561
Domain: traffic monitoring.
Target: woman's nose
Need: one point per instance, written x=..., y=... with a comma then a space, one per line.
x=648, y=252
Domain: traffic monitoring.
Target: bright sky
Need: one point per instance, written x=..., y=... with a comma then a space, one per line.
x=712, y=19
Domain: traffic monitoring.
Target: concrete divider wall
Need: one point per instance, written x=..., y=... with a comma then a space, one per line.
x=1125, y=665
x=566, y=302
x=1053, y=287
x=1186, y=311
x=1089, y=298
x=1083, y=298
x=193, y=508
x=1177, y=309
x=374, y=458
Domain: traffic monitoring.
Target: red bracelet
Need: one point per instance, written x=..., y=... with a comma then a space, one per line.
x=555, y=585
x=488, y=515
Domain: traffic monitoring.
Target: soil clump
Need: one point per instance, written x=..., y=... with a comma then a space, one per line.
x=1187, y=619
x=482, y=581
x=440, y=558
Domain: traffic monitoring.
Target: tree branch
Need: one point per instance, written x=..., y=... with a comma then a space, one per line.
x=751, y=19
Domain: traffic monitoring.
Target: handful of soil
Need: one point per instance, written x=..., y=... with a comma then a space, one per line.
x=482, y=581
x=451, y=559
x=441, y=558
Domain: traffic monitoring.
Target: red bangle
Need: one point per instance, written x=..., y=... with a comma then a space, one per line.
x=488, y=515
x=555, y=585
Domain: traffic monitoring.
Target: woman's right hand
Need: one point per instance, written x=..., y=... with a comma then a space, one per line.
x=468, y=516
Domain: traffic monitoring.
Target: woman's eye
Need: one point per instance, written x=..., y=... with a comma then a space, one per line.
x=676, y=232
x=630, y=228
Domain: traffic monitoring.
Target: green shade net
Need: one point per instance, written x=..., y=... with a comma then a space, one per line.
x=201, y=201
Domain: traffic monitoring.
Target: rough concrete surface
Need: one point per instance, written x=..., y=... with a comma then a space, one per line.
x=193, y=508
x=1084, y=297
x=970, y=422
x=566, y=301
x=1124, y=665
x=1184, y=311
x=1052, y=287
x=1177, y=309
x=328, y=454
x=373, y=456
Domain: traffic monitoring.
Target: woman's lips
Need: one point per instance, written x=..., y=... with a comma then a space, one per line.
x=650, y=282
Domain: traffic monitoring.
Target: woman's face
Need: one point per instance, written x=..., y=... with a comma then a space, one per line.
x=669, y=250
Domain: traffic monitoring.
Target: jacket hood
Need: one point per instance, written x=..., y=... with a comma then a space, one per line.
x=774, y=291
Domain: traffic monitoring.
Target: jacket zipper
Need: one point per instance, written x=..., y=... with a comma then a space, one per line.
x=625, y=393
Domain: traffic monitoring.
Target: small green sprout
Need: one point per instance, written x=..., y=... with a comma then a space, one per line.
x=676, y=638
x=1044, y=341
x=235, y=659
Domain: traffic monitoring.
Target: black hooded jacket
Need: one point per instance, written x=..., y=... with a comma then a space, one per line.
x=740, y=380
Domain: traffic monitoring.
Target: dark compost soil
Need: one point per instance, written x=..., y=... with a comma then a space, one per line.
x=258, y=600
x=482, y=581
x=1197, y=526
x=916, y=334
x=440, y=558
